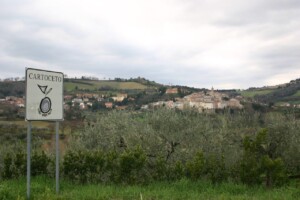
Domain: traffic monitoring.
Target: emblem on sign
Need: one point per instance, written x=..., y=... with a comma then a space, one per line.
x=45, y=105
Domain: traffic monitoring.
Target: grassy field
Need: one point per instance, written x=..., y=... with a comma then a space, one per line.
x=44, y=188
x=35, y=124
x=95, y=85
x=252, y=93
x=297, y=94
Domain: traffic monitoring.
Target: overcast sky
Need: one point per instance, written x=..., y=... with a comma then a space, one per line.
x=199, y=43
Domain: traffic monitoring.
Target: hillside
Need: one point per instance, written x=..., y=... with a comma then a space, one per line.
x=17, y=88
x=71, y=85
x=284, y=93
x=281, y=94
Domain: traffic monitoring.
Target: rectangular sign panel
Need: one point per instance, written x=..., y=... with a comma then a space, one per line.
x=44, y=95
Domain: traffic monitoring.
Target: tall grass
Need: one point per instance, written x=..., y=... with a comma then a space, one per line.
x=44, y=188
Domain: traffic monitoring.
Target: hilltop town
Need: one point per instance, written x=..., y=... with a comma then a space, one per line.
x=201, y=101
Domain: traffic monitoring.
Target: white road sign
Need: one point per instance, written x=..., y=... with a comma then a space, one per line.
x=44, y=95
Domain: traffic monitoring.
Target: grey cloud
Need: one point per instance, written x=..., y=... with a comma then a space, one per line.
x=125, y=50
x=264, y=21
x=261, y=12
x=41, y=51
x=280, y=58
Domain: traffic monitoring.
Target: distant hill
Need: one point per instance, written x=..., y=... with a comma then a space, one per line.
x=284, y=93
x=17, y=88
x=14, y=88
x=102, y=85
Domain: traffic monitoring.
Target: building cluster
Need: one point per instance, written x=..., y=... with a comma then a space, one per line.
x=201, y=101
x=15, y=101
x=86, y=100
x=83, y=100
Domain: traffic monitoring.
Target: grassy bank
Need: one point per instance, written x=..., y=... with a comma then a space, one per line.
x=44, y=188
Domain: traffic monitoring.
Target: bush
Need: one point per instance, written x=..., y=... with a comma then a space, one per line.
x=257, y=166
x=95, y=166
x=215, y=168
x=132, y=163
x=39, y=163
x=14, y=165
x=159, y=169
x=195, y=168
x=74, y=166
x=176, y=171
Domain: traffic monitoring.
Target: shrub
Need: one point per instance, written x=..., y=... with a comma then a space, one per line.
x=39, y=163
x=132, y=163
x=159, y=169
x=215, y=168
x=14, y=165
x=74, y=166
x=195, y=168
x=176, y=171
x=257, y=166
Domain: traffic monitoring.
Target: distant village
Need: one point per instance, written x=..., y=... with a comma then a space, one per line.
x=200, y=101
x=205, y=101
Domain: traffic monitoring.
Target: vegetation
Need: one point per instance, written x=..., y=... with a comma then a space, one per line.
x=284, y=93
x=166, y=145
x=44, y=188
x=73, y=85
x=159, y=154
x=12, y=89
x=255, y=92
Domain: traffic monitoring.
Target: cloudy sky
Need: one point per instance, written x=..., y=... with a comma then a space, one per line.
x=199, y=43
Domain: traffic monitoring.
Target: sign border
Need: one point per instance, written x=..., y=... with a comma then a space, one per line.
x=52, y=120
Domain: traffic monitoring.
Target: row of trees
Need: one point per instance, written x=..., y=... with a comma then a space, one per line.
x=134, y=166
x=138, y=147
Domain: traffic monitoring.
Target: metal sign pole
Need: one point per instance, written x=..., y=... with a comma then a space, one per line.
x=57, y=157
x=28, y=158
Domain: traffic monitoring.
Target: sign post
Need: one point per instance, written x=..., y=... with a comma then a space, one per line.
x=44, y=102
x=57, y=157
x=28, y=158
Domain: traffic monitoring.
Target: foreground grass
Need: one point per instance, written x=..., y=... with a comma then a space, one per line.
x=44, y=188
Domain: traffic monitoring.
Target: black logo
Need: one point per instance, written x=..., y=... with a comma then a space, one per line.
x=45, y=105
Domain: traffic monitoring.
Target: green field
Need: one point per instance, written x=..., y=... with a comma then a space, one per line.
x=297, y=94
x=37, y=124
x=252, y=93
x=44, y=188
x=95, y=85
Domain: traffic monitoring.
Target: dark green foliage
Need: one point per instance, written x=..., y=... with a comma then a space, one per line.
x=15, y=165
x=176, y=171
x=14, y=88
x=132, y=163
x=195, y=167
x=284, y=93
x=168, y=137
x=212, y=167
x=95, y=166
x=39, y=163
x=215, y=169
x=258, y=166
x=163, y=145
x=75, y=166
x=274, y=172
x=158, y=169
